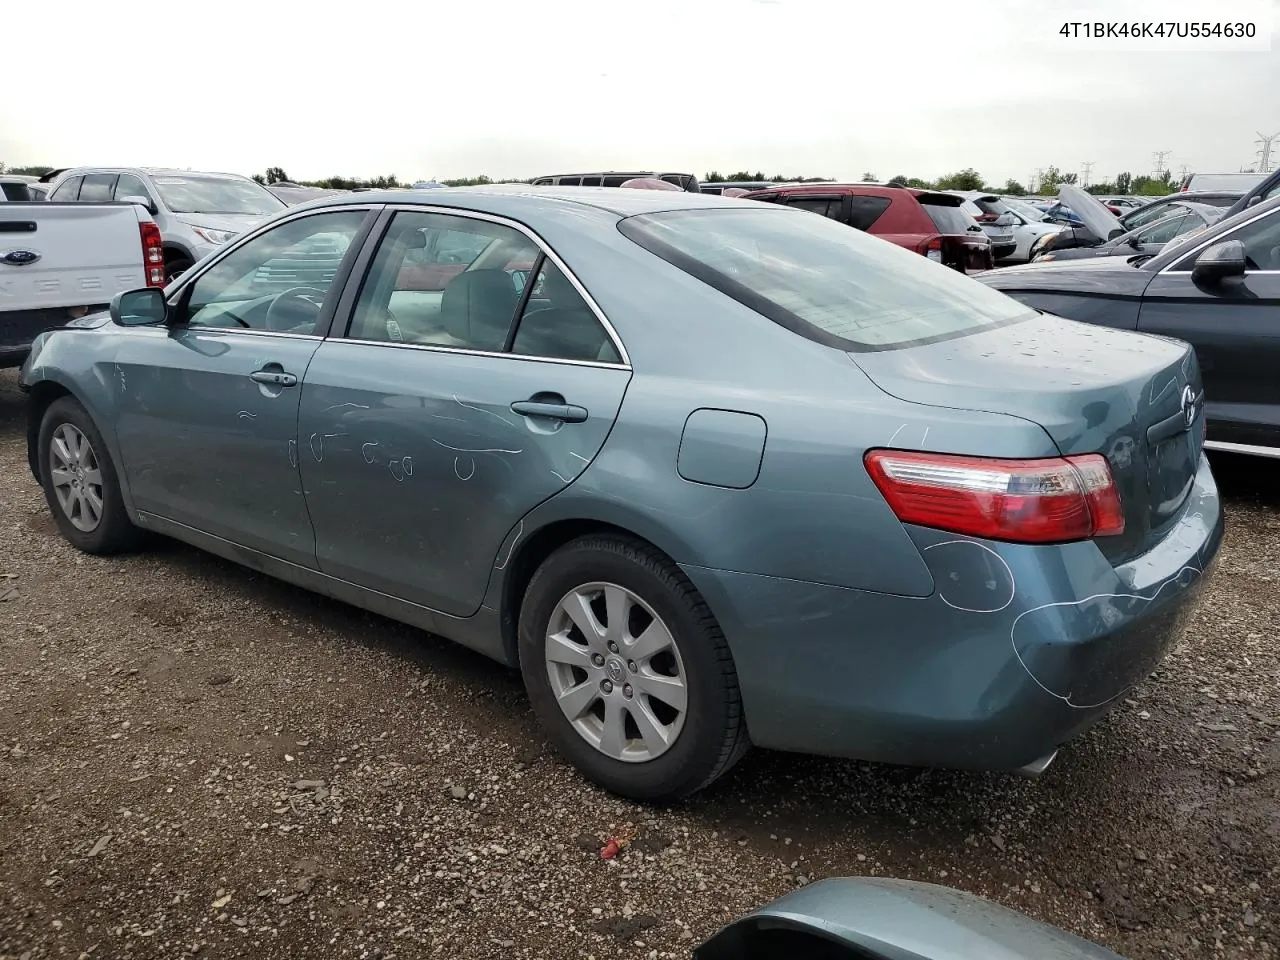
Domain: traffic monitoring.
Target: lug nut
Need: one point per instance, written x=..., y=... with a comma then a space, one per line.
x=606, y=686
x=626, y=691
x=613, y=647
x=597, y=660
x=631, y=665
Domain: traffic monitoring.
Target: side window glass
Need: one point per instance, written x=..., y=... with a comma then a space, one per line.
x=129, y=186
x=1147, y=216
x=1165, y=230
x=865, y=211
x=67, y=191
x=278, y=281
x=98, y=188
x=816, y=205
x=1261, y=241
x=558, y=324
x=445, y=281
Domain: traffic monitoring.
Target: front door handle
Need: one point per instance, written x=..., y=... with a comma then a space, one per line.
x=274, y=377
x=565, y=412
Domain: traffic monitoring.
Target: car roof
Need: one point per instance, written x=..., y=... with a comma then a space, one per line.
x=513, y=199
x=150, y=171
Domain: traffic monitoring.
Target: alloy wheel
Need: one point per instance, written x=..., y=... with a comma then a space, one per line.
x=76, y=476
x=616, y=672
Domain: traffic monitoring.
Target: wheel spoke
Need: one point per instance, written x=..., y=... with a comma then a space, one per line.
x=616, y=603
x=575, y=701
x=93, y=504
x=61, y=450
x=93, y=476
x=560, y=649
x=578, y=606
x=653, y=639
x=670, y=690
x=652, y=732
x=61, y=477
x=613, y=735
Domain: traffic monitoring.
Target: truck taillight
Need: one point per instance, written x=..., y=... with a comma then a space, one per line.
x=1055, y=500
x=152, y=254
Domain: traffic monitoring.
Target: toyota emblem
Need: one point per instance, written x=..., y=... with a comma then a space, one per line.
x=1188, y=405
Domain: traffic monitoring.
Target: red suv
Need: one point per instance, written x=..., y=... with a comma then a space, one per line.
x=931, y=224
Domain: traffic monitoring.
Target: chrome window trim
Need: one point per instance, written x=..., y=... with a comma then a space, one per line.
x=1204, y=245
x=548, y=253
x=468, y=352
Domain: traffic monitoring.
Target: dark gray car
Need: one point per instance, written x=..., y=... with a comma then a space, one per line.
x=710, y=473
x=1220, y=291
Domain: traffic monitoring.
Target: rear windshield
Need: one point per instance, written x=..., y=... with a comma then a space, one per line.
x=947, y=218
x=820, y=279
x=16, y=191
x=992, y=205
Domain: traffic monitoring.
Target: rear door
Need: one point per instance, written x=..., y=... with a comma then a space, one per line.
x=1235, y=327
x=441, y=418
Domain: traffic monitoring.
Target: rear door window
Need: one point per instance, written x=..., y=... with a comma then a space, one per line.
x=130, y=186
x=98, y=188
x=822, y=206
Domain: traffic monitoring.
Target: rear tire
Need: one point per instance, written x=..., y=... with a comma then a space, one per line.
x=80, y=482
x=611, y=702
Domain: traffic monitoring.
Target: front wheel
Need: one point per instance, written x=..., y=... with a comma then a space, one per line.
x=175, y=268
x=80, y=481
x=628, y=671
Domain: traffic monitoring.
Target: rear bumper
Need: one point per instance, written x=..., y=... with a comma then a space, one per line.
x=1019, y=650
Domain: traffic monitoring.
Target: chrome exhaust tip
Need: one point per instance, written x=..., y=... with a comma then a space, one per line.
x=1037, y=767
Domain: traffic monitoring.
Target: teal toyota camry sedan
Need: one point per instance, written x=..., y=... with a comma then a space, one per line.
x=708, y=472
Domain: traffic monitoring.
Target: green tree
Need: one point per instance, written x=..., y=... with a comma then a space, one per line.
x=966, y=179
x=1124, y=182
x=1049, y=181
x=917, y=184
x=870, y=178
x=900, y=180
x=713, y=177
x=1070, y=178
x=1013, y=188
x=275, y=175
x=27, y=171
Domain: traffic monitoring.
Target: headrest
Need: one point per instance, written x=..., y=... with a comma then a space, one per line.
x=477, y=307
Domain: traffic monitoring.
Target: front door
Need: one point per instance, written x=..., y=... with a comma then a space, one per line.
x=437, y=423
x=1234, y=325
x=208, y=406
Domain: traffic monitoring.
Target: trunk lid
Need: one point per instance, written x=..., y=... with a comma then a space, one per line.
x=1092, y=389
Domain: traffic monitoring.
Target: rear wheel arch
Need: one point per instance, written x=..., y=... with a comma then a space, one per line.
x=531, y=551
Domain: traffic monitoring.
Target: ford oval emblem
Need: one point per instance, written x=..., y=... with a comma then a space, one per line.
x=19, y=258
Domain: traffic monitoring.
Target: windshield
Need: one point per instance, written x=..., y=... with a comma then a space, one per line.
x=822, y=280
x=188, y=194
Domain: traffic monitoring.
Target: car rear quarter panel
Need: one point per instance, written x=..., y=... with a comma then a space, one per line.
x=812, y=513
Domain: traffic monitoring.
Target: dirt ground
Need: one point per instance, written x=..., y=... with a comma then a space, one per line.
x=195, y=760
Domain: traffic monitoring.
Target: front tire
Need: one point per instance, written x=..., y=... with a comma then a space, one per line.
x=80, y=481
x=175, y=268
x=628, y=671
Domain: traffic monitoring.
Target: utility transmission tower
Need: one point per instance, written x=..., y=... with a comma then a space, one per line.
x=1264, y=151
x=1182, y=173
x=1087, y=167
x=1160, y=166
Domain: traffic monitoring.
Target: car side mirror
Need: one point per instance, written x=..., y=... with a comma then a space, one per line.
x=140, y=201
x=139, y=308
x=1218, y=262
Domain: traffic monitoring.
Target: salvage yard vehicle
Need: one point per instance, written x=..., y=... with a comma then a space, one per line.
x=613, y=178
x=716, y=473
x=931, y=223
x=1219, y=290
x=1147, y=240
x=196, y=212
x=60, y=261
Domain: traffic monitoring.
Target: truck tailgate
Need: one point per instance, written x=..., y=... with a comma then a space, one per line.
x=56, y=255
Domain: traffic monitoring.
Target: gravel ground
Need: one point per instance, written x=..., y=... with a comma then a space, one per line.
x=197, y=760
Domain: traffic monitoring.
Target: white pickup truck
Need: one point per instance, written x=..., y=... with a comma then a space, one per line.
x=59, y=261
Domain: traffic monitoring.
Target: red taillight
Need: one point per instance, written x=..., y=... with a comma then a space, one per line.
x=1023, y=501
x=152, y=253
x=932, y=248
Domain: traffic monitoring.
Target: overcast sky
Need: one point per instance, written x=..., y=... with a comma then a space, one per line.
x=515, y=89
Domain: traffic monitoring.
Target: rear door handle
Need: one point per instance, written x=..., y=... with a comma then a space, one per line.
x=274, y=377
x=566, y=412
